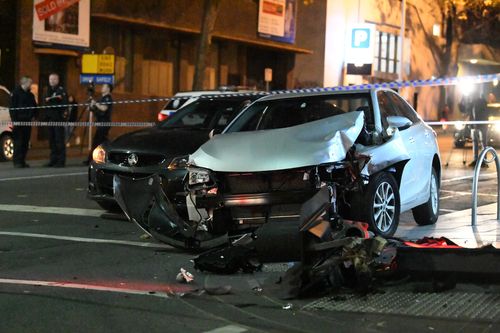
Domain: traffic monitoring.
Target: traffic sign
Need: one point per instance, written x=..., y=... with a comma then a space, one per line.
x=97, y=78
x=98, y=64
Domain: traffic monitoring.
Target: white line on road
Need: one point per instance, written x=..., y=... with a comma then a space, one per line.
x=483, y=177
x=43, y=176
x=86, y=240
x=83, y=287
x=447, y=210
x=51, y=210
x=228, y=329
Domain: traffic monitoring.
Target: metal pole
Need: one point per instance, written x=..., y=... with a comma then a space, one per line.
x=402, y=39
x=90, y=130
x=475, y=181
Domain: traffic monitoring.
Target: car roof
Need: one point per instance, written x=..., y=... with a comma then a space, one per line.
x=213, y=92
x=312, y=92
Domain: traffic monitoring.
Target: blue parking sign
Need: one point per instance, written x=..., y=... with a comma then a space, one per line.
x=360, y=38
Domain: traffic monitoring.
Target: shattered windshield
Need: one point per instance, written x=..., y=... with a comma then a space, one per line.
x=205, y=113
x=281, y=113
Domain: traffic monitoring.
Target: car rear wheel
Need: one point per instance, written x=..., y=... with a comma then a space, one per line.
x=7, y=144
x=428, y=213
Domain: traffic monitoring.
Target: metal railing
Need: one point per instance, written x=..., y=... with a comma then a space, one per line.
x=479, y=162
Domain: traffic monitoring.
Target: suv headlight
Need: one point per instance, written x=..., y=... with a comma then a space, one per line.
x=179, y=163
x=99, y=155
x=199, y=176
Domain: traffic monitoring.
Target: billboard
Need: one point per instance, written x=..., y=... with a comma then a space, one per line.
x=277, y=20
x=64, y=23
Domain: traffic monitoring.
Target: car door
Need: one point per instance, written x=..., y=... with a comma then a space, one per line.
x=411, y=186
x=423, y=149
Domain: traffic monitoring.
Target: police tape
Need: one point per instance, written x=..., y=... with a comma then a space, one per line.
x=75, y=124
x=151, y=124
x=447, y=81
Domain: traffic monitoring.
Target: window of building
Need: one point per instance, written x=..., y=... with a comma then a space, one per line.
x=386, y=52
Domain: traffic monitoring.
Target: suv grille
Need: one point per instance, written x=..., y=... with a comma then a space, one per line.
x=142, y=161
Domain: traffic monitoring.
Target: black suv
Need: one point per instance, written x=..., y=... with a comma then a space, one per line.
x=162, y=149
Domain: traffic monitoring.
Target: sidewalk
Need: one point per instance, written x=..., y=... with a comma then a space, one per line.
x=457, y=227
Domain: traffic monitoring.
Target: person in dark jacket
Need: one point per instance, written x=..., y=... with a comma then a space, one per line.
x=22, y=97
x=102, y=110
x=56, y=95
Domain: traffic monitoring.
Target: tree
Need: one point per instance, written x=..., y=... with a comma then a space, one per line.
x=211, y=9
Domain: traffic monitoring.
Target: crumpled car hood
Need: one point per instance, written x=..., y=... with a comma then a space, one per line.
x=321, y=141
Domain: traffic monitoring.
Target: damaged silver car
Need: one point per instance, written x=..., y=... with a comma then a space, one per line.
x=369, y=148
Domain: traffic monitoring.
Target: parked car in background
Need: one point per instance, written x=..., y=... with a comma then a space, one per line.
x=162, y=149
x=369, y=148
x=186, y=97
x=6, y=140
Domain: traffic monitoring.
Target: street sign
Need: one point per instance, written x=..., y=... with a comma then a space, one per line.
x=97, y=78
x=360, y=44
x=98, y=64
x=268, y=74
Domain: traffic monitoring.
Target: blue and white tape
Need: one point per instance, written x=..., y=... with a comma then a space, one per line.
x=474, y=79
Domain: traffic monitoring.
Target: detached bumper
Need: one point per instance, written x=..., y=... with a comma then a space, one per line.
x=146, y=204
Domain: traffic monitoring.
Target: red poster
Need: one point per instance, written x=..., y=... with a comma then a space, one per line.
x=47, y=8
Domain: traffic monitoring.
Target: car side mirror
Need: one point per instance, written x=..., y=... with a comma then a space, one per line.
x=399, y=122
x=214, y=132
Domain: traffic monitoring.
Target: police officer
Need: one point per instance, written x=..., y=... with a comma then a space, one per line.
x=102, y=110
x=56, y=95
x=22, y=97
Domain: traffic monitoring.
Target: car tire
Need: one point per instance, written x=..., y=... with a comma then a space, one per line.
x=372, y=208
x=110, y=206
x=7, y=145
x=428, y=213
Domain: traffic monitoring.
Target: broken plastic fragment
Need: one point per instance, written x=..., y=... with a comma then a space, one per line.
x=184, y=276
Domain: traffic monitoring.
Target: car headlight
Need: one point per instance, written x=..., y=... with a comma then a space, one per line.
x=179, y=163
x=496, y=127
x=99, y=155
x=198, y=176
x=459, y=125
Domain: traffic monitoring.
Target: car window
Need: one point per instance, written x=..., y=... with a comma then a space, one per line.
x=403, y=109
x=175, y=104
x=386, y=107
x=204, y=113
x=287, y=112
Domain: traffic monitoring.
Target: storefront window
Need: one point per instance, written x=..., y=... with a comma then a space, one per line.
x=386, y=56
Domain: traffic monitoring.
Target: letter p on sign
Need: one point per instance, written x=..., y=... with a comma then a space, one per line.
x=361, y=38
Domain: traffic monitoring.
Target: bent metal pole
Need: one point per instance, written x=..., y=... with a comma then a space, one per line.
x=475, y=180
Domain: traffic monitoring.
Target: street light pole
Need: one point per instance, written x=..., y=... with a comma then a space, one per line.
x=401, y=39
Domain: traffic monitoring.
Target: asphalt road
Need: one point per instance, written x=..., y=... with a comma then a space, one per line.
x=65, y=269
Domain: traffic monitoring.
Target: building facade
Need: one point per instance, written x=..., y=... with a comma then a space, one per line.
x=155, y=44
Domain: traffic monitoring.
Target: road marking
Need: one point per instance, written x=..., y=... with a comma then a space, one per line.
x=51, y=210
x=228, y=329
x=86, y=240
x=43, y=176
x=447, y=210
x=484, y=177
x=163, y=291
x=463, y=193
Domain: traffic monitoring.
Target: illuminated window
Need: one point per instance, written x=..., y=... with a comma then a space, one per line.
x=386, y=52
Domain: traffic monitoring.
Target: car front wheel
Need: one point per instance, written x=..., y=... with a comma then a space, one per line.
x=428, y=212
x=382, y=204
x=7, y=144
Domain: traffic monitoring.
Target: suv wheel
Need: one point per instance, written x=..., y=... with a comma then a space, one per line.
x=7, y=151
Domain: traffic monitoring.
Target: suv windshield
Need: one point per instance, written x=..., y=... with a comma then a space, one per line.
x=281, y=113
x=205, y=113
